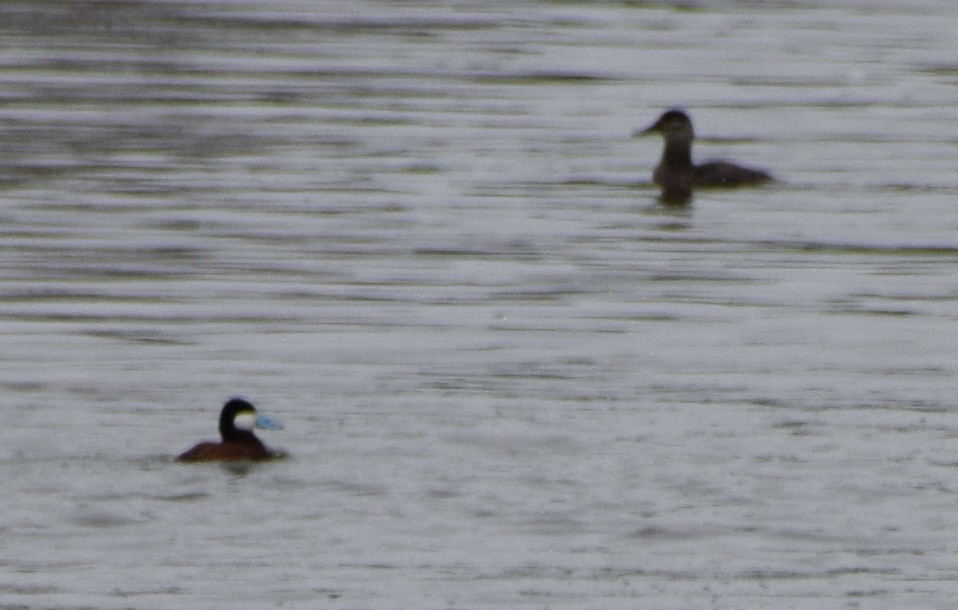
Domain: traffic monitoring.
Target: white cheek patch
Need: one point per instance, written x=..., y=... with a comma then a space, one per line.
x=245, y=421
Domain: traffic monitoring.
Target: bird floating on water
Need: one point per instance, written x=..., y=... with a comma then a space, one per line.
x=237, y=421
x=678, y=177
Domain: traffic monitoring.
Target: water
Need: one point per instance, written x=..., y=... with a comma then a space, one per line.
x=421, y=235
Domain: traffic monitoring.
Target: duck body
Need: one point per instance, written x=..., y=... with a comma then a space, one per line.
x=678, y=176
x=237, y=421
x=210, y=451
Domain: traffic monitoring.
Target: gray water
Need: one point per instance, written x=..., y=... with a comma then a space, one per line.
x=421, y=235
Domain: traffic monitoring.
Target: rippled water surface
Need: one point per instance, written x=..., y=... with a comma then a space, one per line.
x=421, y=234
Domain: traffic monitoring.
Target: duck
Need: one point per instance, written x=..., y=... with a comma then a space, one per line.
x=678, y=177
x=238, y=418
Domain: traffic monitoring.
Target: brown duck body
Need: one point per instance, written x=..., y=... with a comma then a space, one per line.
x=210, y=451
x=237, y=419
x=678, y=177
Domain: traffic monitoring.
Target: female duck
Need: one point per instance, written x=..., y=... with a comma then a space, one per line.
x=237, y=421
x=678, y=176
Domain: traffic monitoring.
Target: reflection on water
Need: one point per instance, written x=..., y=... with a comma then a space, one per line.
x=423, y=235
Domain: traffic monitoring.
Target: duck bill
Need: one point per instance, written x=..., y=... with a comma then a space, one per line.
x=651, y=129
x=266, y=422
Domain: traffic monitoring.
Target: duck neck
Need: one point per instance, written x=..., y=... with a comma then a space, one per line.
x=235, y=435
x=677, y=154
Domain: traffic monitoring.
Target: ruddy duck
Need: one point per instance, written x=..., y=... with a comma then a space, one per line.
x=678, y=176
x=237, y=421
